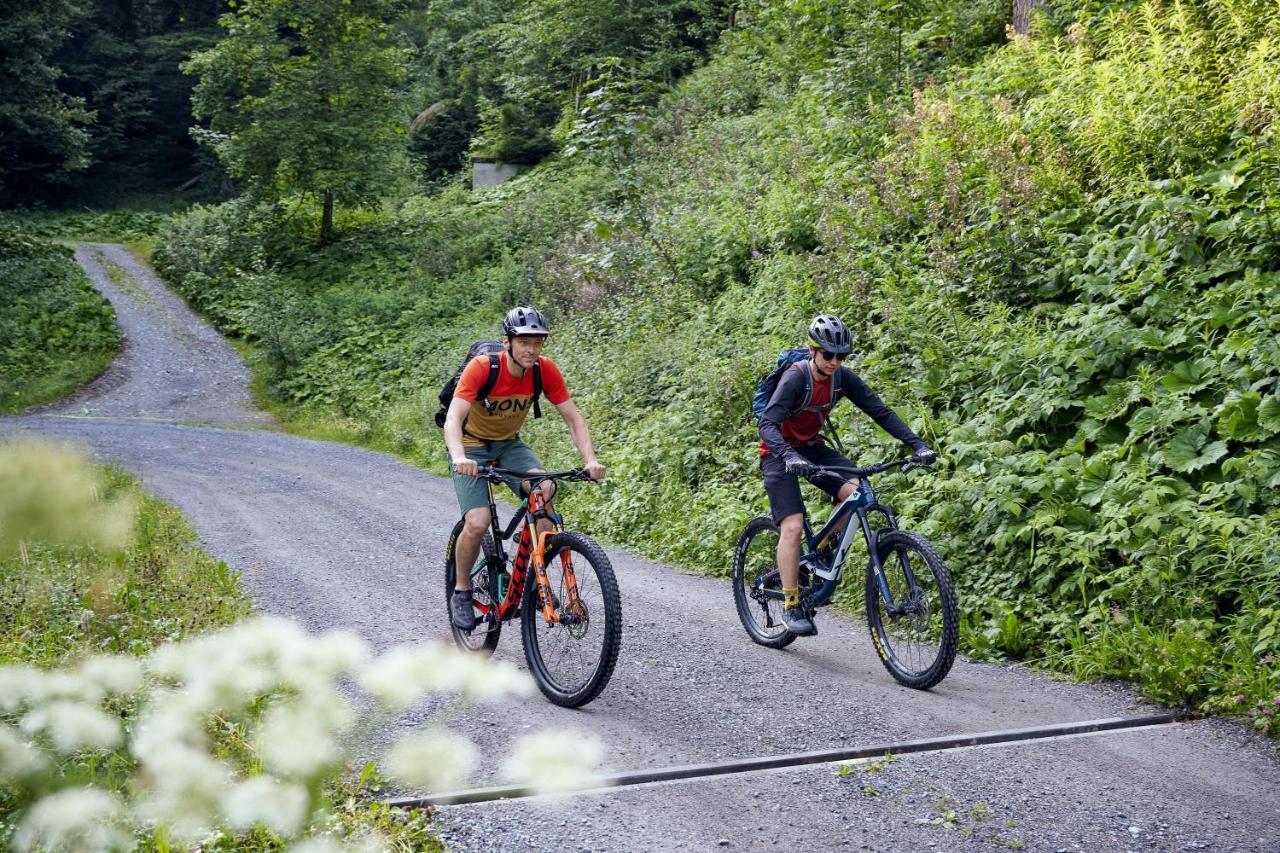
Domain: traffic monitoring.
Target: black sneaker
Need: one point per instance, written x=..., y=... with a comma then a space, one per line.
x=461, y=610
x=798, y=622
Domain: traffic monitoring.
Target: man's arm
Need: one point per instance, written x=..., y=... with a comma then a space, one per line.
x=785, y=397
x=864, y=398
x=581, y=437
x=458, y=410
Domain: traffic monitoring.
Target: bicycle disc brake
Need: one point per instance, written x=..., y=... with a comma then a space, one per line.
x=576, y=619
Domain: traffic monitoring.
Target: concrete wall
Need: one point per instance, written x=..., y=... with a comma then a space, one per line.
x=487, y=173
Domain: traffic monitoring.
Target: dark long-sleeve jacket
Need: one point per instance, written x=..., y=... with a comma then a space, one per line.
x=782, y=426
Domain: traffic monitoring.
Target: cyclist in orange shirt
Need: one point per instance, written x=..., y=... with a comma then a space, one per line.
x=489, y=434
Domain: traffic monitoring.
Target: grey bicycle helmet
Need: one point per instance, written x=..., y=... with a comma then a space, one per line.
x=831, y=334
x=525, y=321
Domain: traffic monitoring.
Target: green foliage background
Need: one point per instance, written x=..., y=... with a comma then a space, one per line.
x=56, y=331
x=1059, y=253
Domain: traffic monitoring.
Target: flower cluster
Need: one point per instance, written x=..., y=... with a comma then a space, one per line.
x=1264, y=716
x=284, y=694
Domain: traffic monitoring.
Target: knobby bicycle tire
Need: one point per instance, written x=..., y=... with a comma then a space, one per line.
x=603, y=625
x=483, y=639
x=749, y=565
x=917, y=645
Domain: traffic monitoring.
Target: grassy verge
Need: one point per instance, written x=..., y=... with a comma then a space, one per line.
x=61, y=604
x=56, y=331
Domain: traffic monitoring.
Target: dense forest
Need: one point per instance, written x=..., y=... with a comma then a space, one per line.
x=1058, y=250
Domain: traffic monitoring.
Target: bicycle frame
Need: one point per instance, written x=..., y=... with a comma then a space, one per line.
x=524, y=522
x=826, y=575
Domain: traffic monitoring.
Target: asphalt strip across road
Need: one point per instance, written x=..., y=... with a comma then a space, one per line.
x=798, y=759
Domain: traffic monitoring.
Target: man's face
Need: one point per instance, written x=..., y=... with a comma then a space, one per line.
x=826, y=367
x=525, y=349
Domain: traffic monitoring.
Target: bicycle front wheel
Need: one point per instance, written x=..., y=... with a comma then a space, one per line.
x=915, y=633
x=757, y=587
x=483, y=639
x=573, y=659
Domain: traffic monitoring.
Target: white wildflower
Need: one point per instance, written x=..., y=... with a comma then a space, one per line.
x=167, y=725
x=18, y=684
x=489, y=680
x=213, y=675
x=404, y=675
x=364, y=842
x=263, y=800
x=554, y=761
x=17, y=757
x=298, y=740
x=185, y=792
x=319, y=844
x=334, y=654
x=72, y=726
x=434, y=760
x=87, y=819
x=114, y=675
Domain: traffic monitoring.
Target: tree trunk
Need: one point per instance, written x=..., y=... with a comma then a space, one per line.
x=326, y=219
x=1022, y=11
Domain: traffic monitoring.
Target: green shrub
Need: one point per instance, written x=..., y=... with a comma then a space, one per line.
x=56, y=331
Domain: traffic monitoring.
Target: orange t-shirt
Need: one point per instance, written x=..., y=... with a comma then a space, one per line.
x=500, y=415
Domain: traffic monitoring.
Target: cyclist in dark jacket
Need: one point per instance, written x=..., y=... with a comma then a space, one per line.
x=792, y=446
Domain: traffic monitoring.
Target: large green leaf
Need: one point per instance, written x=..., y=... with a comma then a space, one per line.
x=1238, y=418
x=1269, y=414
x=1189, y=452
x=1190, y=375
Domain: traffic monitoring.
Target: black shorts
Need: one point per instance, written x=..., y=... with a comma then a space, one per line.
x=784, y=489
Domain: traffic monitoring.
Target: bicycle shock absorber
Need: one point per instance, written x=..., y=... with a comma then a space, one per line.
x=815, y=564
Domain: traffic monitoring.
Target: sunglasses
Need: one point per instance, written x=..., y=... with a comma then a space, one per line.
x=838, y=356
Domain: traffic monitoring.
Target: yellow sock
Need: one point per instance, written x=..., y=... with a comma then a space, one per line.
x=790, y=597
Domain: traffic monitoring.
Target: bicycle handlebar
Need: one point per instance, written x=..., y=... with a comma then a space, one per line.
x=498, y=475
x=907, y=464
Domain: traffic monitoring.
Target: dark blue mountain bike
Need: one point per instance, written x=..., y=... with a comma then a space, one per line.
x=910, y=600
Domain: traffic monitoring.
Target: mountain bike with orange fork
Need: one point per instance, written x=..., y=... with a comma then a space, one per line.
x=561, y=585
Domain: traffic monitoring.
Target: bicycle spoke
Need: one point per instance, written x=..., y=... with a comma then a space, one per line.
x=755, y=573
x=916, y=625
x=572, y=654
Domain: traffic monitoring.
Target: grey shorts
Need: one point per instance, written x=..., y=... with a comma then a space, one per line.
x=512, y=454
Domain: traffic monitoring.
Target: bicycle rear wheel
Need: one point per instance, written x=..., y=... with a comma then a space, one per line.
x=755, y=576
x=483, y=639
x=573, y=659
x=915, y=634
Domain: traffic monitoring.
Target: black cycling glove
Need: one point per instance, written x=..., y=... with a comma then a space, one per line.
x=798, y=465
x=924, y=456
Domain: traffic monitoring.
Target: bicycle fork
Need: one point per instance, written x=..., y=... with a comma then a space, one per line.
x=568, y=612
x=877, y=568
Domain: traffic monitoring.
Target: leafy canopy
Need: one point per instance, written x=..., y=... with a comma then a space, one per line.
x=306, y=99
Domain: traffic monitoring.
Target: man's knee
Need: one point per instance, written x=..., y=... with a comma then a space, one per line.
x=792, y=526
x=476, y=521
x=546, y=488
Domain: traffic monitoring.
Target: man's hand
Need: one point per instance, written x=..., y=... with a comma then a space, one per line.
x=798, y=465
x=595, y=469
x=466, y=467
x=924, y=456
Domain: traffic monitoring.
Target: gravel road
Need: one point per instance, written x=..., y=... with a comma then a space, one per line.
x=337, y=537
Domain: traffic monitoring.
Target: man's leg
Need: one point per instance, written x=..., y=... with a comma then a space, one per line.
x=789, y=533
x=787, y=505
x=467, y=548
x=473, y=500
x=827, y=457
